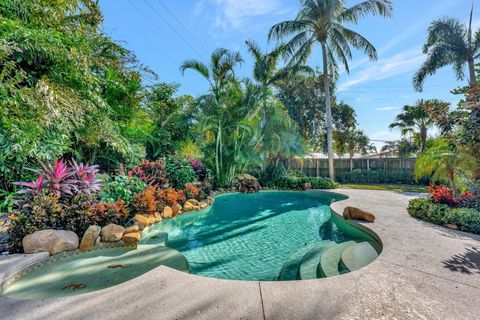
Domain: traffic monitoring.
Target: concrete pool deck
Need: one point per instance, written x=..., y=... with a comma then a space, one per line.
x=424, y=272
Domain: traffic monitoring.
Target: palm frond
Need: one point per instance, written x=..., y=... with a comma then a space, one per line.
x=196, y=65
x=370, y=7
x=284, y=29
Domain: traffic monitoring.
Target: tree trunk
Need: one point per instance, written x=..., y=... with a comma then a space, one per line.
x=328, y=107
x=423, y=136
x=263, y=124
x=471, y=70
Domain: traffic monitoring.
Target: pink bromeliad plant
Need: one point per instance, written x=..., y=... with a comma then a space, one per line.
x=60, y=178
x=86, y=176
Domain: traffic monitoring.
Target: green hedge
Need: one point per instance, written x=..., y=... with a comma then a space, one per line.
x=467, y=219
x=296, y=180
x=377, y=176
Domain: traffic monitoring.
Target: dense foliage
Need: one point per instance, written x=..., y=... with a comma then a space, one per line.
x=280, y=178
x=466, y=219
x=376, y=176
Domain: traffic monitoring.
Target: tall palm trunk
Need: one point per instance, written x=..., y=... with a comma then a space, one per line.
x=264, y=124
x=328, y=107
x=471, y=70
x=423, y=136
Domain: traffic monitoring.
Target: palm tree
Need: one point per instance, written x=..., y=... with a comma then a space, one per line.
x=353, y=141
x=441, y=161
x=416, y=120
x=450, y=42
x=322, y=22
x=266, y=74
x=217, y=105
x=219, y=72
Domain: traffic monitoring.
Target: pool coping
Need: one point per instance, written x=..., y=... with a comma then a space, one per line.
x=408, y=281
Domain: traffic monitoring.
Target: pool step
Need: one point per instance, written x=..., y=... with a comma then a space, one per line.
x=291, y=267
x=330, y=259
x=311, y=260
x=358, y=256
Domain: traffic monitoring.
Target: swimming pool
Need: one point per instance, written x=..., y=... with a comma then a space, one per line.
x=267, y=236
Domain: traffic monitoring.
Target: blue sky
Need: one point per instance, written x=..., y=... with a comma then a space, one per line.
x=163, y=33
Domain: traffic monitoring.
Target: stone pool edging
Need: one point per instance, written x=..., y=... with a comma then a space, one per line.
x=34, y=261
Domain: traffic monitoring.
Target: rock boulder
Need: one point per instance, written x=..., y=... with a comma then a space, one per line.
x=357, y=214
x=89, y=238
x=246, y=183
x=112, y=233
x=51, y=241
x=131, y=238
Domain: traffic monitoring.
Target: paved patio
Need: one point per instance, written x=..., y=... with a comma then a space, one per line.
x=424, y=272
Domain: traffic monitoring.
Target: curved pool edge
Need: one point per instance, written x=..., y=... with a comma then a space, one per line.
x=342, y=197
x=385, y=288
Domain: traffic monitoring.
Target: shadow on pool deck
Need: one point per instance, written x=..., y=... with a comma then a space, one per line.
x=467, y=262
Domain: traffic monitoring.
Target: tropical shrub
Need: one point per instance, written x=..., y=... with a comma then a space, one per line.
x=104, y=213
x=46, y=211
x=180, y=171
x=173, y=196
x=6, y=201
x=296, y=180
x=360, y=176
x=192, y=191
x=444, y=195
x=63, y=180
x=122, y=187
x=152, y=173
x=321, y=183
x=146, y=202
x=199, y=168
x=466, y=219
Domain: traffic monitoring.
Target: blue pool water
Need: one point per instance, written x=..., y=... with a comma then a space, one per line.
x=252, y=236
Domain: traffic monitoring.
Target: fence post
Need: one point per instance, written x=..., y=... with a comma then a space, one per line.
x=368, y=164
x=317, y=169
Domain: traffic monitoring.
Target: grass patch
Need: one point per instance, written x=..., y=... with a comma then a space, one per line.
x=388, y=187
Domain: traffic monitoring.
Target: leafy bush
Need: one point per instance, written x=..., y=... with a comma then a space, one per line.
x=192, y=191
x=376, y=176
x=296, y=180
x=146, y=202
x=122, y=187
x=152, y=173
x=466, y=219
x=180, y=172
x=199, y=168
x=104, y=213
x=174, y=196
x=59, y=198
x=322, y=183
x=63, y=180
x=444, y=195
x=6, y=201
x=47, y=212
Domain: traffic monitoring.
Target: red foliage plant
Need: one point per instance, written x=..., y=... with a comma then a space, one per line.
x=443, y=194
x=105, y=212
x=173, y=196
x=151, y=172
x=146, y=202
x=192, y=191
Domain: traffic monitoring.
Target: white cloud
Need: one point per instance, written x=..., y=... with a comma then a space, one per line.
x=236, y=13
x=405, y=61
x=386, y=109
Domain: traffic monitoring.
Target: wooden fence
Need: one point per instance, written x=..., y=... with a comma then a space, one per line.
x=319, y=167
